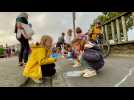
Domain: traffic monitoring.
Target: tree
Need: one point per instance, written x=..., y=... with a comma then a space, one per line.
x=106, y=16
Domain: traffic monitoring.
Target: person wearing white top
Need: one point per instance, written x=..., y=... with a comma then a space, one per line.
x=69, y=37
x=27, y=29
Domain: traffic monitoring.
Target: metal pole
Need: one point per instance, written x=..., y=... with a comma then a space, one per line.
x=74, y=18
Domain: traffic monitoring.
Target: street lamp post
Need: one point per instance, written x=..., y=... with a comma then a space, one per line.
x=74, y=18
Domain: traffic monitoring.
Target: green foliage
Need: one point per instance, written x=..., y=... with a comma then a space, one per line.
x=129, y=22
x=106, y=16
x=1, y=51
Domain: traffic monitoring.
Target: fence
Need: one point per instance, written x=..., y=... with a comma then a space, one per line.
x=116, y=29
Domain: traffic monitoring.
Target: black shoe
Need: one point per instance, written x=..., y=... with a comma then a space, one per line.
x=21, y=64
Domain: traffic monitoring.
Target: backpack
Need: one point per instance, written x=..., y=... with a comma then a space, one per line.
x=28, y=30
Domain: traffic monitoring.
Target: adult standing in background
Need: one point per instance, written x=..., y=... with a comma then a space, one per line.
x=80, y=34
x=69, y=36
x=23, y=36
x=61, y=40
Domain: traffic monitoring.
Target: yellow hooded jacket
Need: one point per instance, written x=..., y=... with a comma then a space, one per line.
x=38, y=57
x=96, y=31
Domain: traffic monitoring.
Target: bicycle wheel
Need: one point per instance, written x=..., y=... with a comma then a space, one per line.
x=105, y=47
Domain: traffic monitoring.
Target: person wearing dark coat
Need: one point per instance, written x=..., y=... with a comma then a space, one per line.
x=61, y=41
x=91, y=57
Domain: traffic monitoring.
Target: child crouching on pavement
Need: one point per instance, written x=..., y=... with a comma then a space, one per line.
x=39, y=62
x=91, y=57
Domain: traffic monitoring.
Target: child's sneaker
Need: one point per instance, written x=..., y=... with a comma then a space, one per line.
x=84, y=71
x=90, y=73
x=76, y=65
x=38, y=81
x=20, y=64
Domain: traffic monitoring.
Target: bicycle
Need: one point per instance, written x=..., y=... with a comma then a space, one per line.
x=104, y=45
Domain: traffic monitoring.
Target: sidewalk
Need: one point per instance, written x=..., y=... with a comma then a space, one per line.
x=10, y=73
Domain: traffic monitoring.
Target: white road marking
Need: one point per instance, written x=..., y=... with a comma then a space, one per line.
x=125, y=78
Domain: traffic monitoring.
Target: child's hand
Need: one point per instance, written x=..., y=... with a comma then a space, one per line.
x=55, y=59
x=88, y=46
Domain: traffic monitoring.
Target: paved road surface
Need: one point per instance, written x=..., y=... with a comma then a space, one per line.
x=10, y=73
x=117, y=72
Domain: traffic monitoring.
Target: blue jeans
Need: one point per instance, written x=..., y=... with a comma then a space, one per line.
x=25, y=55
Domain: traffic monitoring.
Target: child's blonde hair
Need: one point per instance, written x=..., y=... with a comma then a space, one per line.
x=44, y=38
x=79, y=41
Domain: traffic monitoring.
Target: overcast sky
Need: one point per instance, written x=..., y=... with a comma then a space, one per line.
x=52, y=23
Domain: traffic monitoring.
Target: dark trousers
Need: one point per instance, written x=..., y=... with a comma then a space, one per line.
x=24, y=50
x=48, y=70
x=59, y=45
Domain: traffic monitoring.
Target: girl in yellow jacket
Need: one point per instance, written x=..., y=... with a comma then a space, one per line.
x=39, y=62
